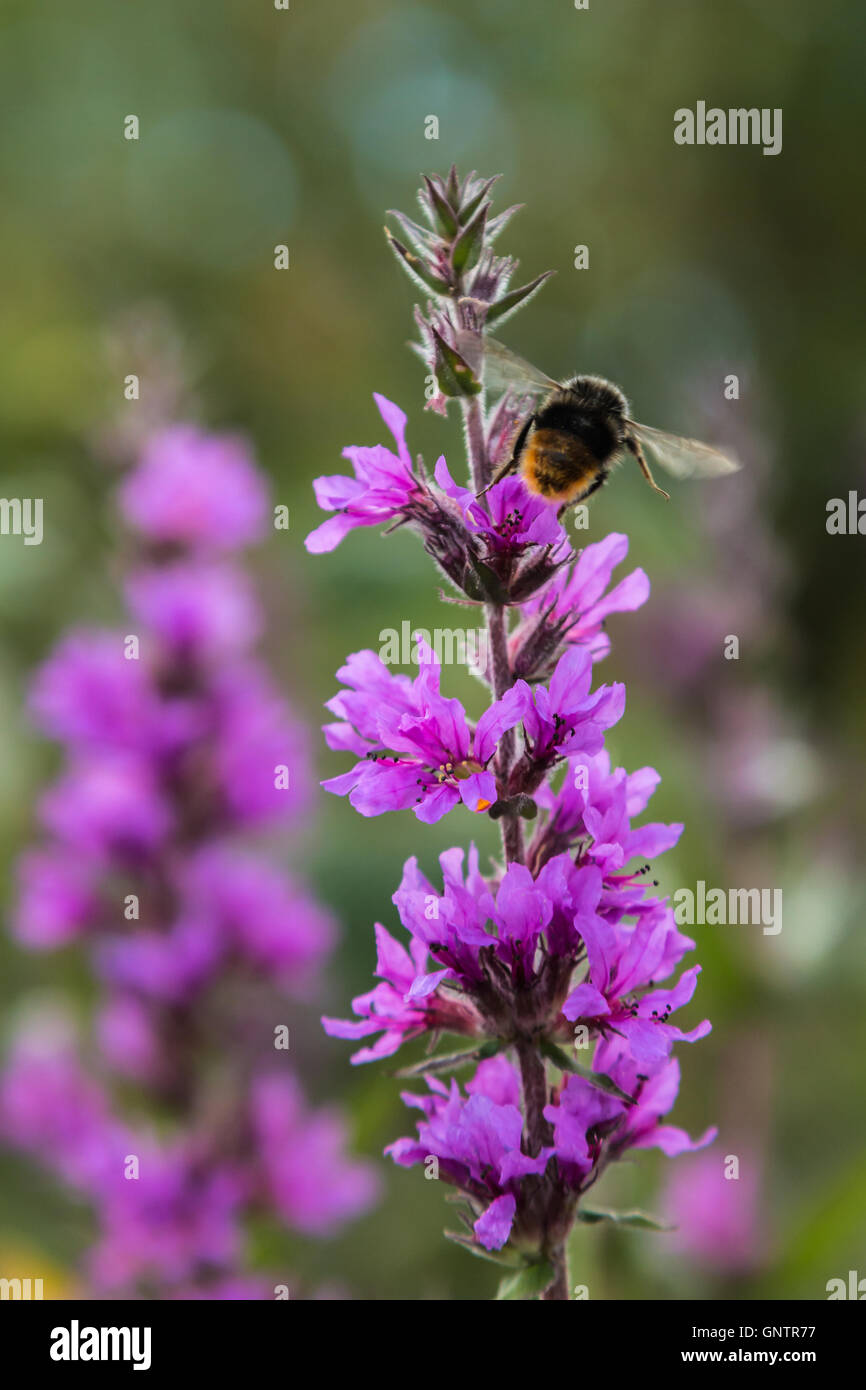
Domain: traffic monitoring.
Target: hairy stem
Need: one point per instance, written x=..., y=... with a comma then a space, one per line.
x=479, y=463
x=533, y=1076
x=558, y=1290
x=537, y=1132
x=544, y=1194
x=503, y=679
x=473, y=422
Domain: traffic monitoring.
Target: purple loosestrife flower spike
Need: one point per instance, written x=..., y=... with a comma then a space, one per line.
x=174, y=754
x=557, y=969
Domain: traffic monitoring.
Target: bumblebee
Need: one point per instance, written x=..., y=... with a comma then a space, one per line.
x=566, y=448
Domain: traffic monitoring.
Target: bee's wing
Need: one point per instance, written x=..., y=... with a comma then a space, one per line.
x=505, y=370
x=684, y=458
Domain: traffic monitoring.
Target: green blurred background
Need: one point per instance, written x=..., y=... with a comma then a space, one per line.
x=302, y=127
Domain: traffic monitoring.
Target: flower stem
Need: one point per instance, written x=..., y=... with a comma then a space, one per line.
x=558, y=1290
x=544, y=1194
x=473, y=422
x=537, y=1131
x=503, y=679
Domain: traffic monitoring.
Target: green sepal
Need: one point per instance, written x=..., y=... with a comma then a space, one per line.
x=566, y=1062
x=451, y=1060
x=510, y=1259
x=500, y=221
x=468, y=210
x=422, y=240
x=512, y=301
x=415, y=266
x=490, y=587
x=443, y=213
x=467, y=247
x=640, y=1220
x=529, y=1282
x=454, y=376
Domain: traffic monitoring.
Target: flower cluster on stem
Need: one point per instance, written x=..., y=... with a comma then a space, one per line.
x=559, y=965
x=178, y=750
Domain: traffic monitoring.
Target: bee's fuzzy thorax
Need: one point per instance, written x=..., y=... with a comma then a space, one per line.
x=595, y=393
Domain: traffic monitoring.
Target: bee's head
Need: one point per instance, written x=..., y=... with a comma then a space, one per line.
x=596, y=394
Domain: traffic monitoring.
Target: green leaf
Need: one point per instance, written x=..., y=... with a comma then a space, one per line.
x=566, y=1062
x=422, y=240
x=415, y=267
x=451, y=1060
x=496, y=224
x=467, y=247
x=527, y=1283
x=641, y=1220
x=509, y=1258
x=454, y=376
x=446, y=219
x=512, y=301
x=470, y=207
x=490, y=587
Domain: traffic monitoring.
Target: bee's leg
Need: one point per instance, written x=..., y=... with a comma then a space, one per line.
x=579, y=501
x=633, y=445
x=510, y=465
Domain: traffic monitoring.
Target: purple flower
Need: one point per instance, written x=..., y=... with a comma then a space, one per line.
x=94, y=698
x=561, y=937
x=406, y=1003
x=224, y=1290
x=127, y=1032
x=173, y=750
x=232, y=907
x=168, y=1223
x=57, y=898
x=508, y=922
x=574, y=605
x=50, y=1105
x=198, y=609
x=417, y=745
x=596, y=805
x=559, y=721
x=508, y=517
x=88, y=693
x=197, y=490
x=655, y=1095
x=260, y=754
x=263, y=916
x=586, y=1121
x=581, y=1118
x=719, y=1220
x=451, y=924
x=622, y=960
x=108, y=806
x=166, y=965
x=477, y=1142
x=315, y=1187
x=383, y=487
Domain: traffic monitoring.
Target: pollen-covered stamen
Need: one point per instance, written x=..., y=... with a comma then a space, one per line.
x=452, y=773
x=510, y=525
x=561, y=728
